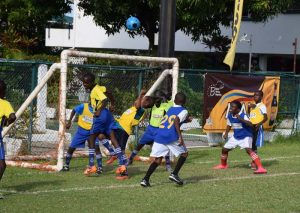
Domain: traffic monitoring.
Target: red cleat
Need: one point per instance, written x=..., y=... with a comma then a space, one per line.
x=121, y=170
x=221, y=166
x=90, y=170
x=260, y=170
x=111, y=159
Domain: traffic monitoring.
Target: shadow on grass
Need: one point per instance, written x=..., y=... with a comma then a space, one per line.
x=197, y=179
x=246, y=164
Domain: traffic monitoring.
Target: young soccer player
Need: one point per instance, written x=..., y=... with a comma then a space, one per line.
x=7, y=116
x=169, y=138
x=258, y=116
x=103, y=122
x=124, y=126
x=85, y=121
x=156, y=114
x=242, y=137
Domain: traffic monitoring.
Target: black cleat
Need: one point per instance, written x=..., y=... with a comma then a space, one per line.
x=175, y=179
x=145, y=183
x=99, y=171
x=65, y=168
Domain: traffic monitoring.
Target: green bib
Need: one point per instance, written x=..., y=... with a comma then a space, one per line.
x=157, y=113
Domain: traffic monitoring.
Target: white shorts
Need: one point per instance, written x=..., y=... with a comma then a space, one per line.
x=242, y=143
x=161, y=150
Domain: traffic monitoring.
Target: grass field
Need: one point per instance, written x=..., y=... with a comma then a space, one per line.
x=206, y=190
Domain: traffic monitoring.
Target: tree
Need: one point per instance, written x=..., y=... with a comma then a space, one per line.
x=199, y=18
x=26, y=20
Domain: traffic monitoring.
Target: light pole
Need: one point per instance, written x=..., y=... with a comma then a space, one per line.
x=243, y=38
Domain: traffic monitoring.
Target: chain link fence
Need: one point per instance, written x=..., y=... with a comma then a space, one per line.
x=36, y=131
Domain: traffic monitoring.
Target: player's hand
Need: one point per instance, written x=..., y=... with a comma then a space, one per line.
x=68, y=125
x=238, y=116
x=3, y=121
x=97, y=113
x=112, y=108
x=189, y=119
x=225, y=136
x=143, y=92
x=180, y=141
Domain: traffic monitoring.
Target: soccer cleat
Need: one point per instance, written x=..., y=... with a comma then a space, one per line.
x=145, y=183
x=121, y=169
x=66, y=168
x=111, y=159
x=221, y=166
x=260, y=170
x=99, y=171
x=90, y=170
x=169, y=168
x=122, y=176
x=176, y=179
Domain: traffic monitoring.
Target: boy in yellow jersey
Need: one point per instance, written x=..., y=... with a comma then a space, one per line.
x=7, y=116
x=124, y=126
x=158, y=111
x=103, y=121
x=258, y=116
x=85, y=121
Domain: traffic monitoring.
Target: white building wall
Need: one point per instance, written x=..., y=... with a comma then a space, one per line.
x=274, y=37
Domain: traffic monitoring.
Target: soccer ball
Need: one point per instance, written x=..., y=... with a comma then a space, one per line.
x=133, y=23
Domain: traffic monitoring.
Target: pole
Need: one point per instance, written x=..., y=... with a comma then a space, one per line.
x=250, y=54
x=295, y=55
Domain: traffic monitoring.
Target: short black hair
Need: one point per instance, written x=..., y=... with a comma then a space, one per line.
x=89, y=76
x=237, y=103
x=2, y=85
x=180, y=97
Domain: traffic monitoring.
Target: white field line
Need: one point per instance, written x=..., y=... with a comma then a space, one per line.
x=76, y=189
x=242, y=161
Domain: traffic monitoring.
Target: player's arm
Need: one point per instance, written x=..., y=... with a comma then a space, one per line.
x=69, y=123
x=138, y=102
x=111, y=98
x=6, y=121
x=244, y=120
x=228, y=128
x=177, y=127
x=104, y=105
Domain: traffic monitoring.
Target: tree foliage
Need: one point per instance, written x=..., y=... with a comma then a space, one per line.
x=26, y=20
x=199, y=18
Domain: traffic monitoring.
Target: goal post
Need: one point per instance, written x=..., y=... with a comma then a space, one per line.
x=63, y=67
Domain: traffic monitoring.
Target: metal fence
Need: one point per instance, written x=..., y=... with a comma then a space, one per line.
x=37, y=127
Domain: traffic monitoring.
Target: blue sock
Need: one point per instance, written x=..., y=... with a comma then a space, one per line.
x=99, y=160
x=119, y=153
x=68, y=159
x=167, y=158
x=106, y=144
x=124, y=158
x=91, y=157
x=133, y=154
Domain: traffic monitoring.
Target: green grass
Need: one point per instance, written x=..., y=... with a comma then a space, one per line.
x=206, y=190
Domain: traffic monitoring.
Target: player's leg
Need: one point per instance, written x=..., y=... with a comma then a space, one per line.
x=224, y=157
x=158, y=151
x=2, y=168
x=98, y=157
x=254, y=147
x=181, y=151
x=168, y=163
x=256, y=160
x=68, y=159
x=92, y=169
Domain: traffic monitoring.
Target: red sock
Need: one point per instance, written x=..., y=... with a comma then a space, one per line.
x=255, y=159
x=224, y=159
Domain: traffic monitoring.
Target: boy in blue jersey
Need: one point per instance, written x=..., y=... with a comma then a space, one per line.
x=7, y=117
x=157, y=112
x=242, y=137
x=103, y=122
x=169, y=139
x=85, y=121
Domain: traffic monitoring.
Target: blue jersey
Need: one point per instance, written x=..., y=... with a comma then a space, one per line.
x=167, y=132
x=240, y=130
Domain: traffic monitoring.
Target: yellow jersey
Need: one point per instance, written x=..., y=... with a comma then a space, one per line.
x=85, y=118
x=256, y=114
x=5, y=109
x=130, y=118
x=97, y=96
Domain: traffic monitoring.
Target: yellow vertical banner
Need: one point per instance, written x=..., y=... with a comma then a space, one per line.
x=238, y=11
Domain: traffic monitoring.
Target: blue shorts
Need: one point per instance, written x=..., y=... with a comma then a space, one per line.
x=2, y=152
x=103, y=124
x=149, y=135
x=80, y=137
